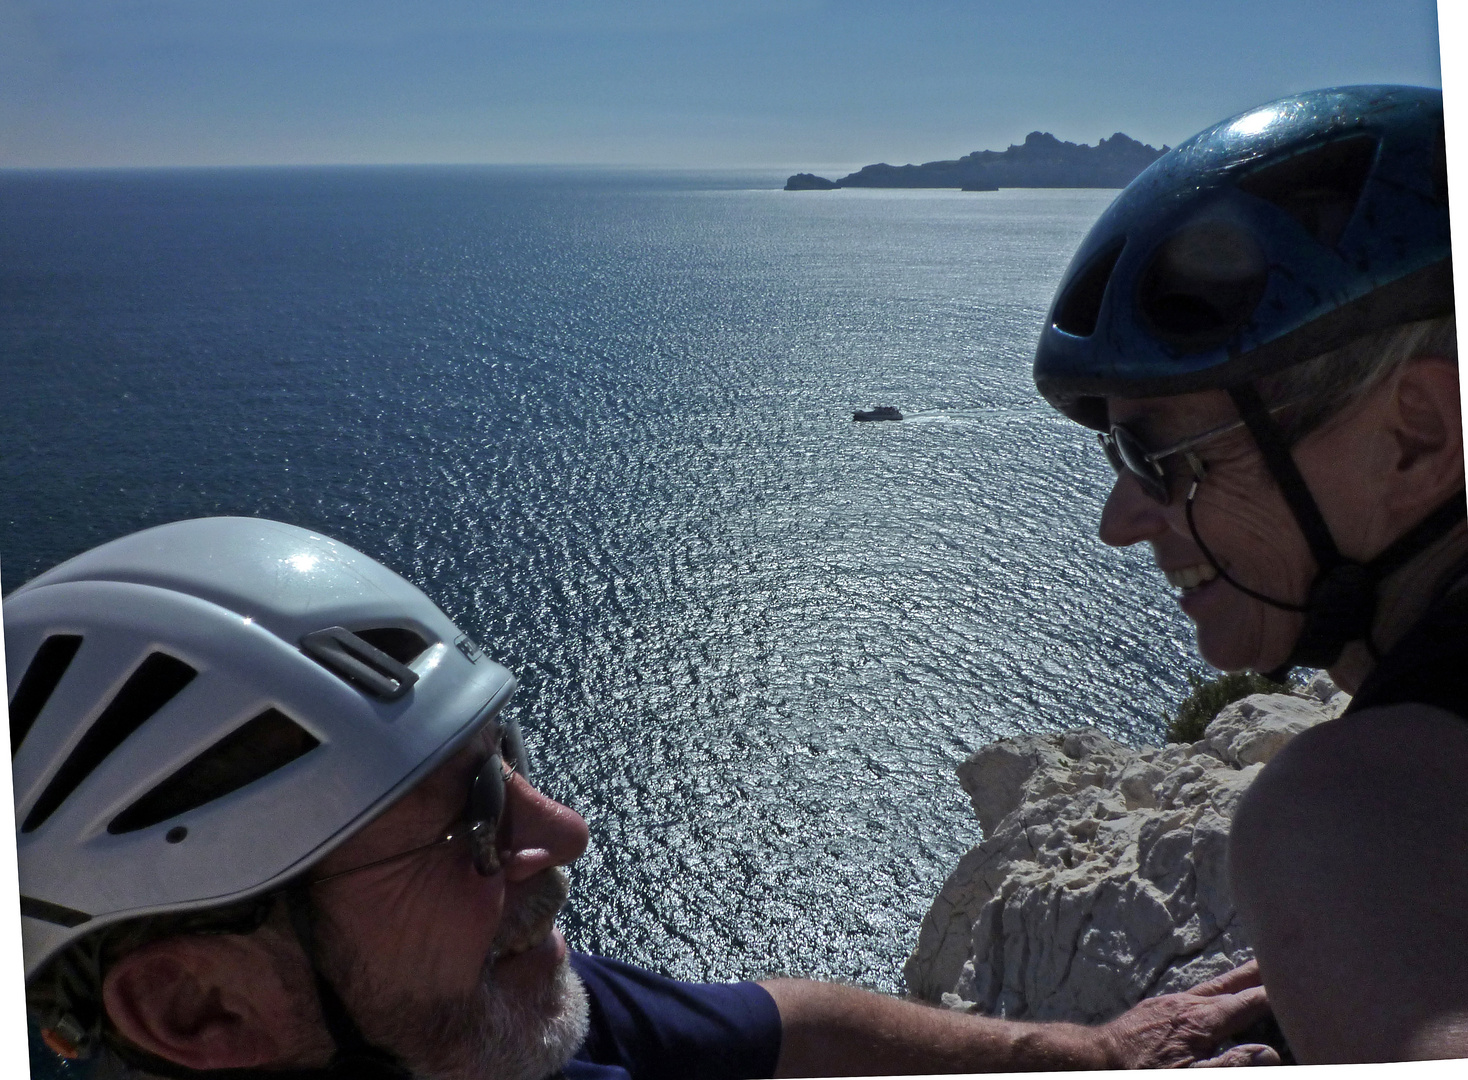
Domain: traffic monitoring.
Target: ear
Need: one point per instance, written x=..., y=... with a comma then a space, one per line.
x=212, y=1001
x=1427, y=429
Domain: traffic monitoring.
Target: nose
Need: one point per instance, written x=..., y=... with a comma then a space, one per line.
x=543, y=833
x=1130, y=516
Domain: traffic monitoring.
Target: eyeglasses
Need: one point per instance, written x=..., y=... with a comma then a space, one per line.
x=485, y=813
x=1127, y=455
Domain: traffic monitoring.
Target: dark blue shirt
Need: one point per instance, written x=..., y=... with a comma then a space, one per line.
x=647, y=1027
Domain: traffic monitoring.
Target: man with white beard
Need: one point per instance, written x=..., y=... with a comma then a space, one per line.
x=271, y=823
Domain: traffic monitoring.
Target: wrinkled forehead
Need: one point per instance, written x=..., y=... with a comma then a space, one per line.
x=1175, y=415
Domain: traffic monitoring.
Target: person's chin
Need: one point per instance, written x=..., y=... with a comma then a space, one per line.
x=1223, y=640
x=1238, y=645
x=562, y=1026
x=533, y=968
x=537, y=1011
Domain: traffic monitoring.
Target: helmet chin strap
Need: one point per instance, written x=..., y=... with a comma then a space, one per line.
x=1283, y=605
x=355, y=1057
x=1340, y=605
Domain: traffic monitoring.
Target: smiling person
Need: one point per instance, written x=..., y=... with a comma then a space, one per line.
x=1261, y=328
x=272, y=824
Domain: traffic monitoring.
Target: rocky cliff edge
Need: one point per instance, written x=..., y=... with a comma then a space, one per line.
x=1101, y=879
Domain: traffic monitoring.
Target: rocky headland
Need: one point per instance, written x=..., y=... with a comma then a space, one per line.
x=1102, y=876
x=1041, y=160
x=804, y=181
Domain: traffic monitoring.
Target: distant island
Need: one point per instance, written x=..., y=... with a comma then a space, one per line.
x=1041, y=161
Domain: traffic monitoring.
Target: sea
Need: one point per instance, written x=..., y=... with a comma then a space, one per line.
x=604, y=419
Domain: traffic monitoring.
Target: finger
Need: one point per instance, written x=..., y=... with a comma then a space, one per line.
x=1247, y=1054
x=1228, y=1013
x=1230, y=982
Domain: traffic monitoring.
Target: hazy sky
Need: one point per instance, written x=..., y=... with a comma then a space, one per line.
x=798, y=84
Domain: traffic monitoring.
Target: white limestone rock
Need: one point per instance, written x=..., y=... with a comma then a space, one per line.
x=1254, y=729
x=1101, y=878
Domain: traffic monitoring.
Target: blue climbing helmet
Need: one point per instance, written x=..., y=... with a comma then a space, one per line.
x=1267, y=240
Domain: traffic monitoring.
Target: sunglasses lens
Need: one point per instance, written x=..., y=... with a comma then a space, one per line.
x=486, y=808
x=1132, y=456
x=512, y=745
x=487, y=797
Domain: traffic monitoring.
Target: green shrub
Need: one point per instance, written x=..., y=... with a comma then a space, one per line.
x=1210, y=695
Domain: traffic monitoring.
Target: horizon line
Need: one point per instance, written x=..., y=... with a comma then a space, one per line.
x=610, y=165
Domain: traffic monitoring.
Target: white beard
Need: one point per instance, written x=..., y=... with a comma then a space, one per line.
x=529, y=1040
x=490, y=1034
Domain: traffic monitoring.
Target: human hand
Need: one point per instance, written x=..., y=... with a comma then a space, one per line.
x=1243, y=1054
x=1177, y=1030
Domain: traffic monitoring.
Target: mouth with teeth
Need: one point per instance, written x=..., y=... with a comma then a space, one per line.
x=533, y=921
x=1190, y=578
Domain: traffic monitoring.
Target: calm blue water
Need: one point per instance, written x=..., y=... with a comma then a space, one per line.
x=605, y=420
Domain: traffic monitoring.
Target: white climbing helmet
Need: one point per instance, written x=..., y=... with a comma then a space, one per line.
x=203, y=710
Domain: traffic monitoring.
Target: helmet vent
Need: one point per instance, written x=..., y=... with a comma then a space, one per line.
x=254, y=750
x=39, y=683
x=1320, y=187
x=1202, y=284
x=151, y=686
x=402, y=644
x=1080, y=307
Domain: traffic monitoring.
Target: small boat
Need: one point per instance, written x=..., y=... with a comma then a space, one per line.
x=881, y=412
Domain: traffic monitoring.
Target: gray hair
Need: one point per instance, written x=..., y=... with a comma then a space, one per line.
x=1327, y=385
